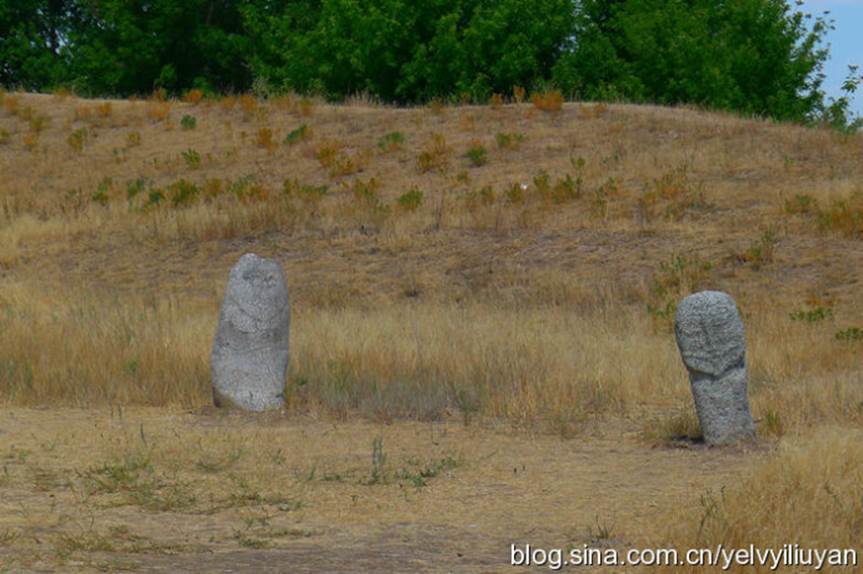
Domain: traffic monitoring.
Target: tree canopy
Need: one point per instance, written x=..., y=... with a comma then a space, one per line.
x=761, y=57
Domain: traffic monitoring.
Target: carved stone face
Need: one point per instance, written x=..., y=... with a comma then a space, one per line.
x=257, y=290
x=710, y=333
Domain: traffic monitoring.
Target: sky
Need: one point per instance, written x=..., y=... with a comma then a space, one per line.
x=846, y=43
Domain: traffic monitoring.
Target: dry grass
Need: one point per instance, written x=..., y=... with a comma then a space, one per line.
x=434, y=276
x=809, y=493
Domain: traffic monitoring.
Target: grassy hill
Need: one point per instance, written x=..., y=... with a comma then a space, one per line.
x=501, y=267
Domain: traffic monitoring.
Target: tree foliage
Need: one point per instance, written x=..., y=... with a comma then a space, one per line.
x=761, y=57
x=753, y=56
x=408, y=51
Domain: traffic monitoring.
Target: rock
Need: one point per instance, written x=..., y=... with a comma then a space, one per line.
x=713, y=346
x=250, y=351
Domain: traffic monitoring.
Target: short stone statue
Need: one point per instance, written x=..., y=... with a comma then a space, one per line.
x=249, y=360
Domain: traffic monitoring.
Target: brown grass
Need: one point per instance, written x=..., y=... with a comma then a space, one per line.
x=533, y=289
x=809, y=493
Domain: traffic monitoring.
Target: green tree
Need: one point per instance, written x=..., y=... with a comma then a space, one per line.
x=753, y=56
x=408, y=51
x=34, y=42
x=135, y=46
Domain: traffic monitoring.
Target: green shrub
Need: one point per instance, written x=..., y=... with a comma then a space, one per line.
x=410, y=200
x=477, y=154
x=188, y=122
x=133, y=188
x=297, y=135
x=391, y=141
x=78, y=139
x=815, y=315
x=192, y=158
x=183, y=193
x=850, y=334
x=511, y=140
x=515, y=193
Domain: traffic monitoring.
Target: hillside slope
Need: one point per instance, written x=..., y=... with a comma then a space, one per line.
x=482, y=304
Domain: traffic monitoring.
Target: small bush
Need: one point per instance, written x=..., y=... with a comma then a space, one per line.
x=192, y=158
x=410, y=200
x=391, y=142
x=418, y=474
x=158, y=111
x=367, y=195
x=247, y=190
x=563, y=190
x=549, y=102
x=193, y=97
x=330, y=155
x=477, y=154
x=212, y=188
x=134, y=188
x=850, y=334
x=183, y=193
x=772, y=425
x=228, y=103
x=844, y=216
x=78, y=139
x=31, y=141
x=515, y=193
x=188, y=122
x=249, y=105
x=105, y=110
x=133, y=139
x=801, y=204
x=435, y=155
x=327, y=152
x=39, y=122
x=264, y=139
x=11, y=104
x=673, y=195
x=601, y=197
x=101, y=195
x=310, y=195
x=518, y=94
x=592, y=112
x=366, y=191
x=298, y=135
x=815, y=315
x=511, y=140
x=436, y=106
x=154, y=198
x=306, y=107
x=482, y=198
x=760, y=252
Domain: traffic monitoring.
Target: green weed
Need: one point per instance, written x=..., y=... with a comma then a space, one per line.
x=391, y=142
x=410, y=200
x=192, y=158
x=188, y=122
x=477, y=154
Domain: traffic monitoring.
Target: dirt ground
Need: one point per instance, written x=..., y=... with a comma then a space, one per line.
x=325, y=512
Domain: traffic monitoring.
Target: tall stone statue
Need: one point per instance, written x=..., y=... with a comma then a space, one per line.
x=711, y=341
